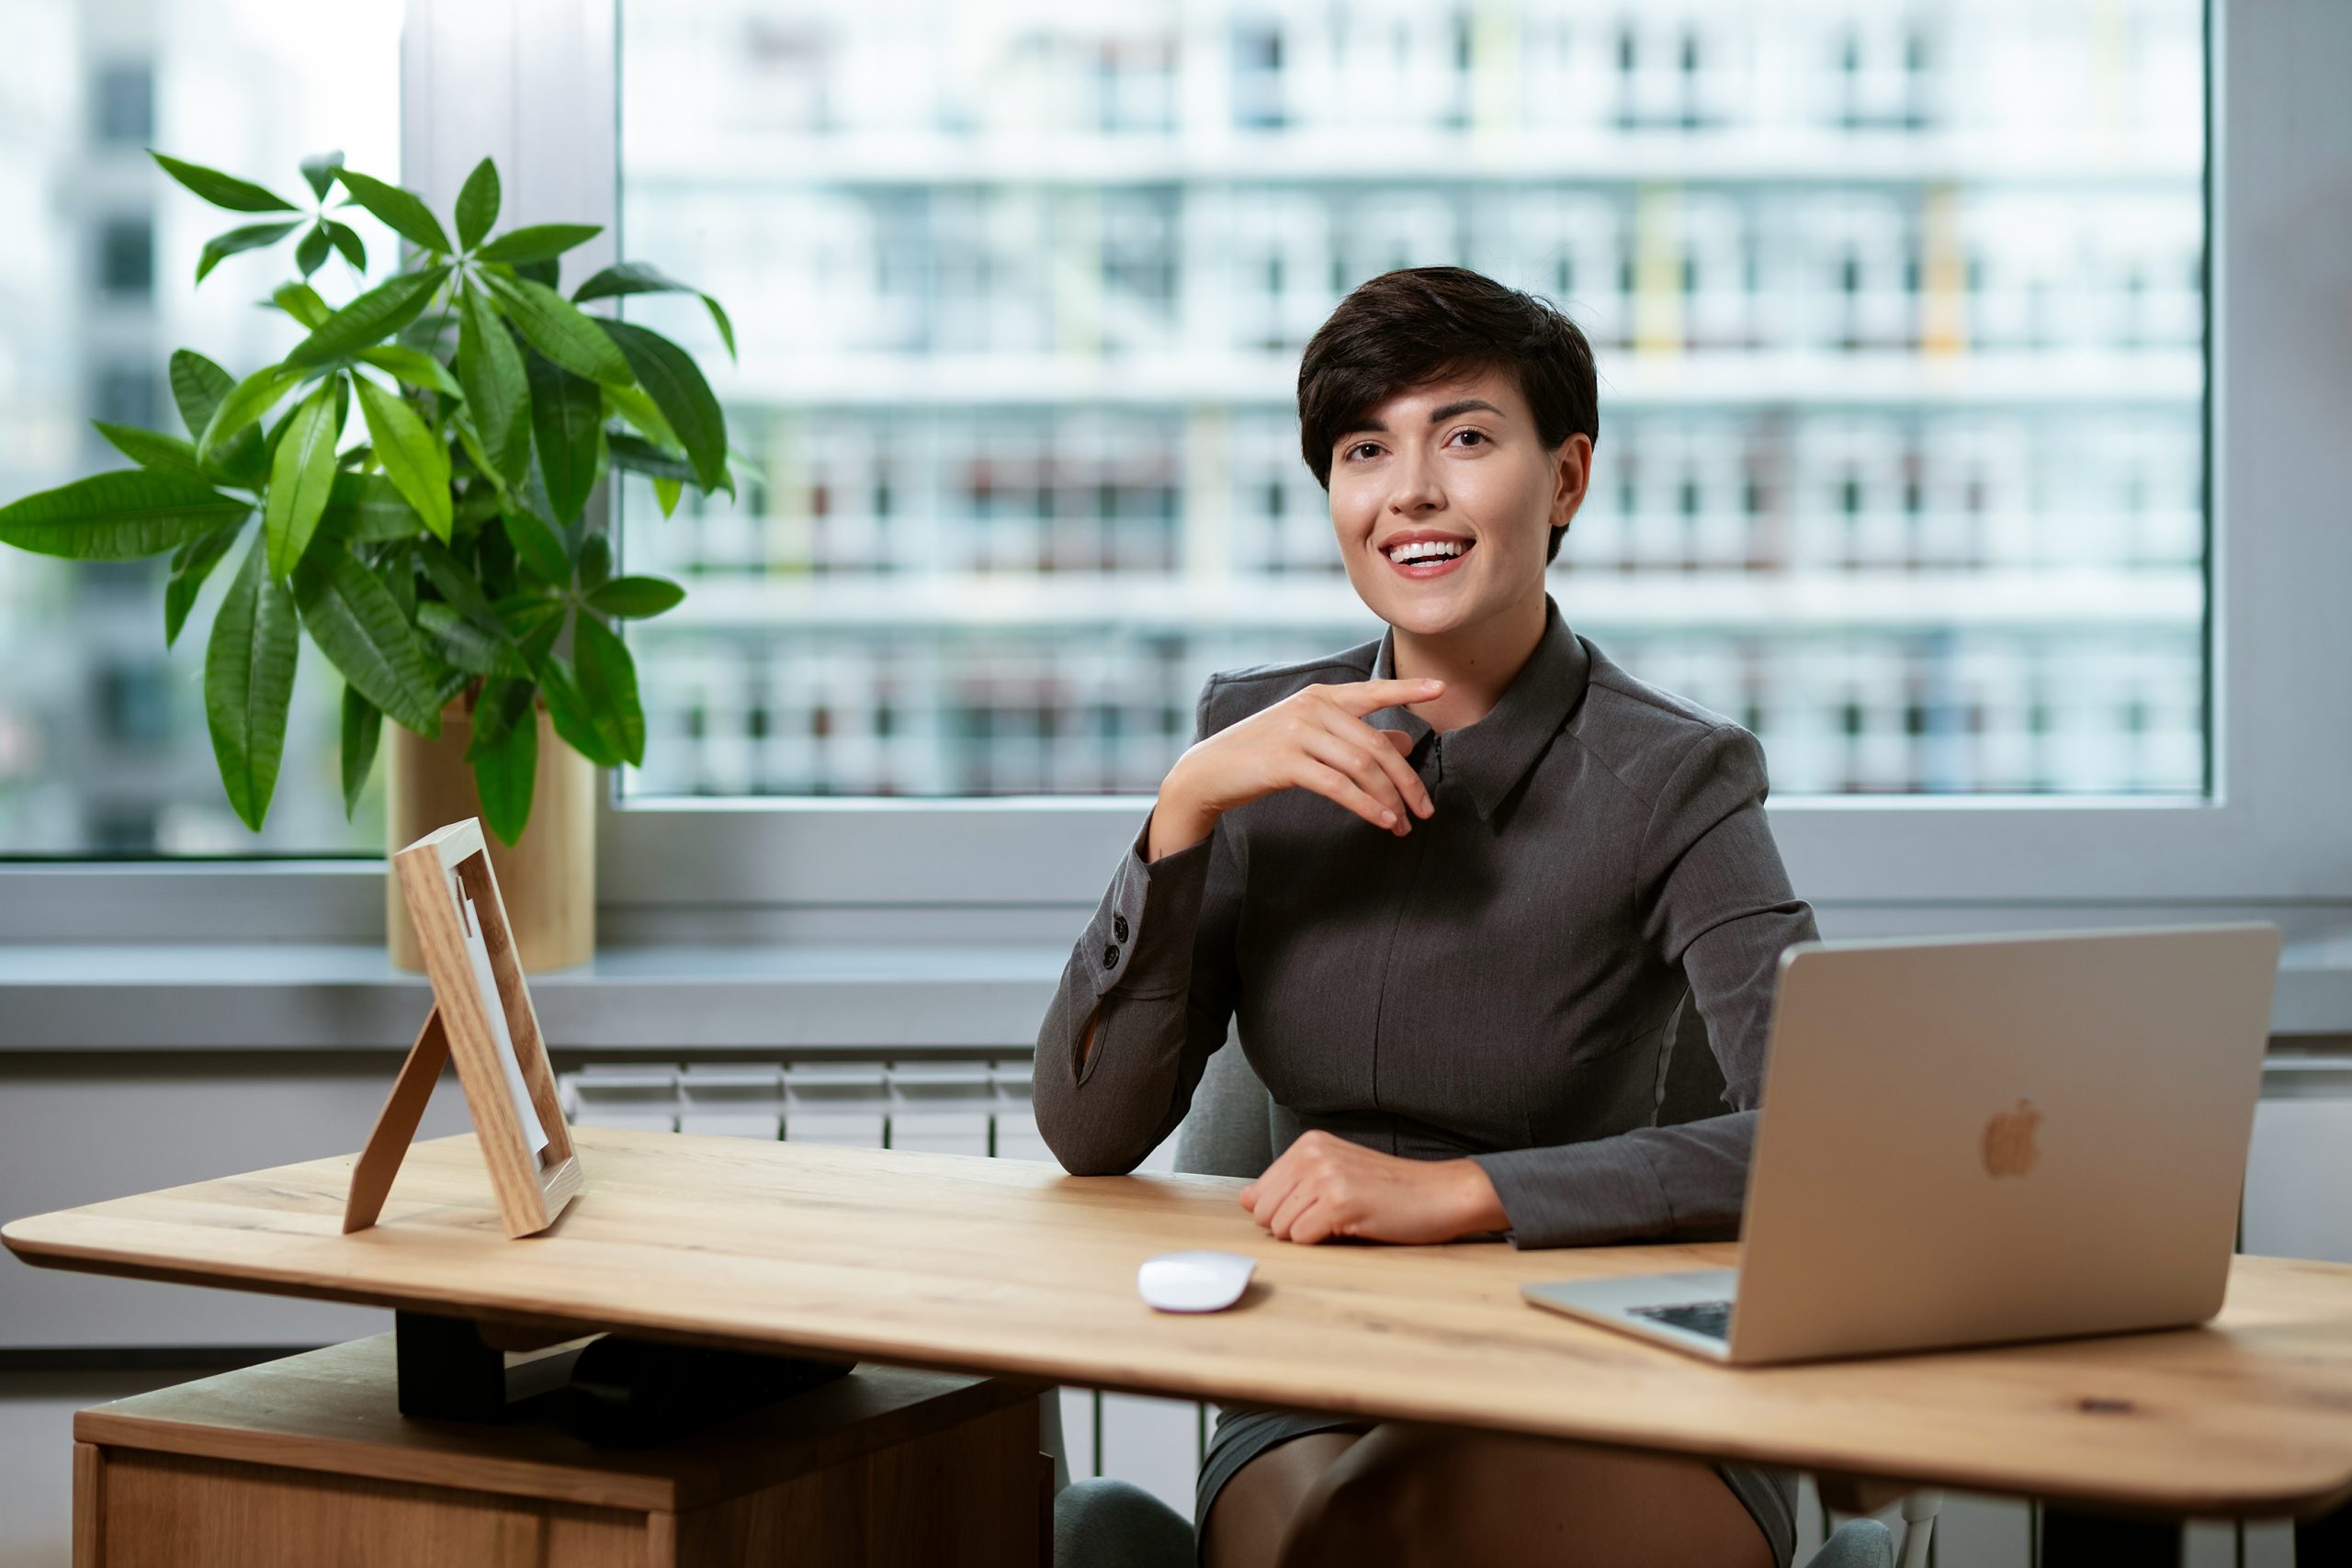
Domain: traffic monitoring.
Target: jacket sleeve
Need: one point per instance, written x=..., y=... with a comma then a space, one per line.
x=1715, y=900
x=1155, y=970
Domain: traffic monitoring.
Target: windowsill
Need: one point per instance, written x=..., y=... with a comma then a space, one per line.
x=639, y=999
x=348, y=996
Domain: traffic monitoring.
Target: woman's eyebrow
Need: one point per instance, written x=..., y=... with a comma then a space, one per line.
x=1465, y=406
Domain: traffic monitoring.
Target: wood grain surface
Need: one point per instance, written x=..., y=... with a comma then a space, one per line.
x=1007, y=1266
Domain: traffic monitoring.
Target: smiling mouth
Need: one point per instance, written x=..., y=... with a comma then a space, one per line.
x=1429, y=558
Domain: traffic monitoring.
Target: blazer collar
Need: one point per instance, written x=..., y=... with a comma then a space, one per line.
x=1491, y=756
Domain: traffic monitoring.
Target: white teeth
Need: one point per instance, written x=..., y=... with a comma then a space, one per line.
x=1427, y=549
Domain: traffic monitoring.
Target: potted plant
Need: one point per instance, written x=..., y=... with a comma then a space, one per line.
x=406, y=487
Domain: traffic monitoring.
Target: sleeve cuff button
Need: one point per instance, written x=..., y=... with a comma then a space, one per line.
x=1111, y=957
x=1119, y=927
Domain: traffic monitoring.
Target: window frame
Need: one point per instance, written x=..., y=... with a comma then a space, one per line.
x=535, y=83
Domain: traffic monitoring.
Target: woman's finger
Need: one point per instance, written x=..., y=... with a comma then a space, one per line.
x=1294, y=1203
x=1410, y=791
x=1271, y=1189
x=1361, y=697
x=1328, y=781
x=1319, y=1222
x=1365, y=768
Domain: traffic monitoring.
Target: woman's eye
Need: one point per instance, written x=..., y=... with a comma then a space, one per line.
x=1361, y=450
x=1471, y=437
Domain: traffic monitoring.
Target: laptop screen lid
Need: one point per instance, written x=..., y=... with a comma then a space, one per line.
x=1966, y=1141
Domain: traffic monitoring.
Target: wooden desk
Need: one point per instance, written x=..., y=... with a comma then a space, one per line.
x=1005, y=1266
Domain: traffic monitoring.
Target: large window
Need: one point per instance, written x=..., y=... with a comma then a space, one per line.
x=1900, y=316
x=103, y=743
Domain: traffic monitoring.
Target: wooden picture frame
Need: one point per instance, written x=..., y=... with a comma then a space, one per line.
x=502, y=1058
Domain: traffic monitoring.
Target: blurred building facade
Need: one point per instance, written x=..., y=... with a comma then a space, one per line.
x=1899, y=313
x=104, y=748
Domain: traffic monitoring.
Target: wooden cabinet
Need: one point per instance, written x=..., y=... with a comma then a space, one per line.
x=305, y=1462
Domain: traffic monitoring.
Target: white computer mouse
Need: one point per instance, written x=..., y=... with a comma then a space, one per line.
x=1193, y=1281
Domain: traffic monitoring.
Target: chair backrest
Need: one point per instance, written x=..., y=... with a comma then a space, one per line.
x=1232, y=1127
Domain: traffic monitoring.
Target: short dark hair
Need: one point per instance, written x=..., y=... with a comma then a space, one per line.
x=1421, y=324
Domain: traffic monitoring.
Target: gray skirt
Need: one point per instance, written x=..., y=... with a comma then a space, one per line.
x=1245, y=1431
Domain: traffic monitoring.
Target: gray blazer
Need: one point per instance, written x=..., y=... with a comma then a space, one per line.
x=1501, y=984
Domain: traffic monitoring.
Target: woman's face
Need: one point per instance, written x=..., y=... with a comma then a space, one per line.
x=1457, y=467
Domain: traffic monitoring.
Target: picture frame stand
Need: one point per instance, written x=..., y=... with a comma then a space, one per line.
x=483, y=1021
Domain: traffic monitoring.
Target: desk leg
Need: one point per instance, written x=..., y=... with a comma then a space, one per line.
x=2327, y=1539
x=2070, y=1540
x=89, y=1506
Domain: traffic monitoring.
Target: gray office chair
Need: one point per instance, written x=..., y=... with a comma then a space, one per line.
x=1233, y=1129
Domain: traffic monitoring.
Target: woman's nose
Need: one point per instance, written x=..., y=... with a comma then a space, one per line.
x=1417, y=489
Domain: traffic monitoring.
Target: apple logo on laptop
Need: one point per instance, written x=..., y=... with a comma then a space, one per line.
x=2008, y=1141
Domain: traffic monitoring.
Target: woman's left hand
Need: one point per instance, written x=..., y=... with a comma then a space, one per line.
x=1324, y=1186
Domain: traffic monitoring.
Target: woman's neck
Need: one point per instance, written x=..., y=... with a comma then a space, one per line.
x=1477, y=663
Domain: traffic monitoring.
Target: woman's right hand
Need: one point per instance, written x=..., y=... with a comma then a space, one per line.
x=1314, y=739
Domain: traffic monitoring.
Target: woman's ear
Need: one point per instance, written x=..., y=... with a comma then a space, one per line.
x=1571, y=477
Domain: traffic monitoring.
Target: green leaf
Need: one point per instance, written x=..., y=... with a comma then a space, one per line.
x=399, y=210
x=500, y=707
x=367, y=507
x=301, y=477
x=220, y=190
x=120, y=515
x=457, y=585
x=244, y=405
x=567, y=420
x=416, y=369
x=608, y=684
x=346, y=238
x=477, y=205
x=357, y=624
x=574, y=719
x=537, y=242
x=644, y=457
x=596, y=561
x=506, y=771
x=534, y=621
x=301, y=301
x=312, y=254
x=477, y=506
x=197, y=387
x=497, y=390
x=369, y=320
x=318, y=170
x=159, y=453
x=363, y=730
x=248, y=684
x=537, y=544
x=644, y=277
x=633, y=404
x=665, y=496
x=460, y=642
x=635, y=598
x=398, y=569
x=685, y=400
x=413, y=457
x=550, y=324
x=252, y=237
x=191, y=564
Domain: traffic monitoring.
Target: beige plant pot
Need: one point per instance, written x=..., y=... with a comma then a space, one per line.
x=548, y=882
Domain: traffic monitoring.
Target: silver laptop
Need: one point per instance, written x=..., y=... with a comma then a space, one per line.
x=1972, y=1141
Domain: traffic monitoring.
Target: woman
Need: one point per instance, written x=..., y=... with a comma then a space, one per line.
x=1455, y=886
